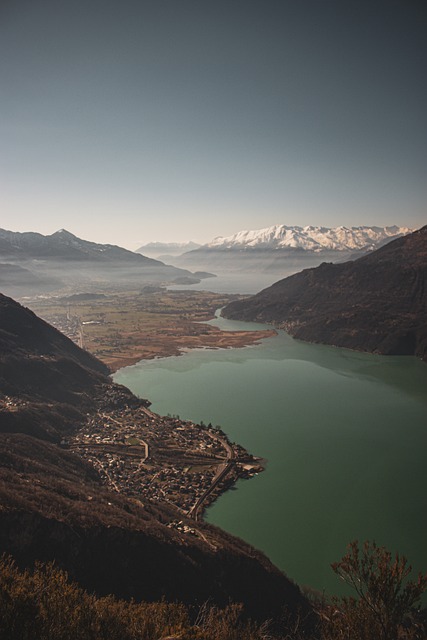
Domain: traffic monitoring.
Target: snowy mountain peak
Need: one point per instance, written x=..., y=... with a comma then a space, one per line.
x=310, y=238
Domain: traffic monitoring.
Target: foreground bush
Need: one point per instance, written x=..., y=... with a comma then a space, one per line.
x=44, y=605
x=387, y=602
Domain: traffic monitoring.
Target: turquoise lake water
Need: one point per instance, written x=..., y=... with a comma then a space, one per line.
x=344, y=434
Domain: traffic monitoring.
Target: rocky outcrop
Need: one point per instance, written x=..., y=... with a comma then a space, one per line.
x=377, y=303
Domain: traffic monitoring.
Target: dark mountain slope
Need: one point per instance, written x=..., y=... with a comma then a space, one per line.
x=377, y=303
x=51, y=380
x=53, y=505
x=22, y=333
x=54, y=508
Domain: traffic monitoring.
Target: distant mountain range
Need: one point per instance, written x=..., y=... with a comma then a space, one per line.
x=32, y=262
x=287, y=249
x=64, y=245
x=309, y=238
x=377, y=303
x=158, y=249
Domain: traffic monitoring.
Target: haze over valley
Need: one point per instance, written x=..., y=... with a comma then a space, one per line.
x=31, y=263
x=213, y=320
x=249, y=261
x=163, y=468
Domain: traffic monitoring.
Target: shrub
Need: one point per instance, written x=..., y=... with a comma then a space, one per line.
x=385, y=608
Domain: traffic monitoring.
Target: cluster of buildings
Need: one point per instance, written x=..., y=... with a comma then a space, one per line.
x=67, y=324
x=154, y=458
x=11, y=403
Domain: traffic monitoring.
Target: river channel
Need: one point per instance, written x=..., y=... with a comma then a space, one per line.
x=344, y=434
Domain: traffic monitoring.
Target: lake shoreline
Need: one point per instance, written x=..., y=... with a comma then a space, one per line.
x=213, y=339
x=333, y=425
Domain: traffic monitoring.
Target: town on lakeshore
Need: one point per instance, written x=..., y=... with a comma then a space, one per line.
x=154, y=459
x=160, y=459
x=136, y=452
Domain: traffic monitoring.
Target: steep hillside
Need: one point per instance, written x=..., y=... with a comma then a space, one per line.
x=54, y=505
x=49, y=382
x=377, y=303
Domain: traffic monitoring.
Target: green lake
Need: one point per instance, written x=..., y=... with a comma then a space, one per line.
x=344, y=434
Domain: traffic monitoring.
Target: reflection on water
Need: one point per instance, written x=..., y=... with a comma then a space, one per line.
x=344, y=434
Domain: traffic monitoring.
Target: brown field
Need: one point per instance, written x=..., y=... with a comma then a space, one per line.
x=123, y=328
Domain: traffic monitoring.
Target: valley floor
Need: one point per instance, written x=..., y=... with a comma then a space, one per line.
x=124, y=328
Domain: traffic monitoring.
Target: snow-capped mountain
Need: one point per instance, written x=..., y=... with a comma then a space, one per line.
x=310, y=238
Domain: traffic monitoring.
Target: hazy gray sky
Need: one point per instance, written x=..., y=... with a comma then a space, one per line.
x=127, y=121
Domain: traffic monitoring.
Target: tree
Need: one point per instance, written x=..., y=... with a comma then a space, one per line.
x=386, y=596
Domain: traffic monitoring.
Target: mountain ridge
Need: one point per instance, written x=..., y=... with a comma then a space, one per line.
x=377, y=303
x=64, y=244
x=167, y=248
x=33, y=263
x=285, y=250
x=309, y=238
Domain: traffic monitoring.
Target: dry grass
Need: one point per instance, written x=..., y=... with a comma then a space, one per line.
x=127, y=327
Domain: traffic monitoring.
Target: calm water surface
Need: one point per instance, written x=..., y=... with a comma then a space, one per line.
x=344, y=433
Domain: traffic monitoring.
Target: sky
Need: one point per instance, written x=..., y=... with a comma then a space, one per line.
x=128, y=121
